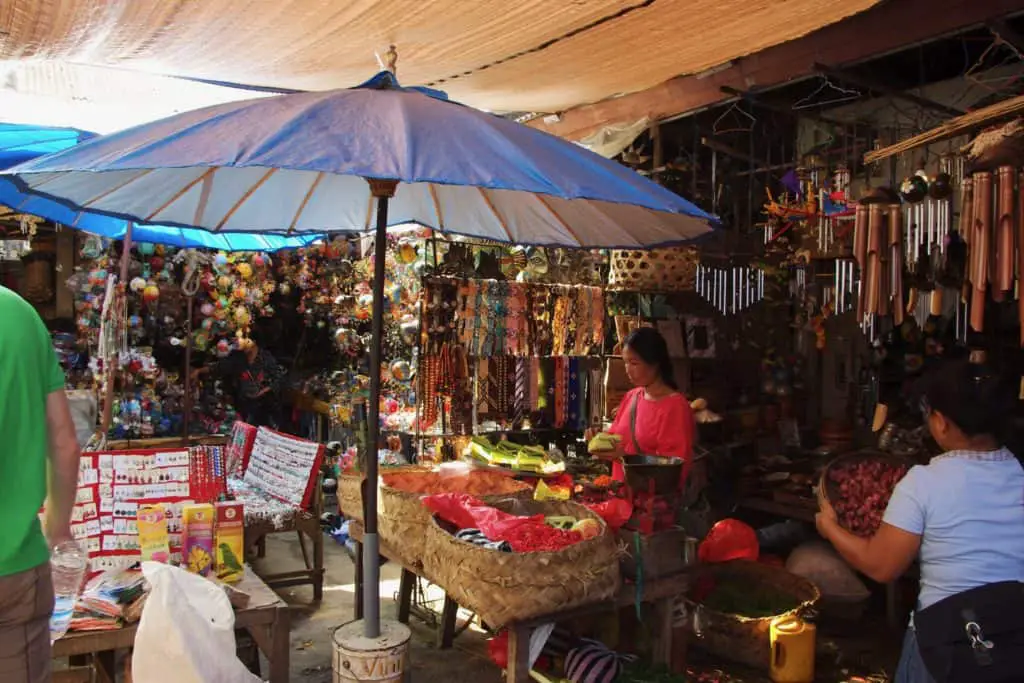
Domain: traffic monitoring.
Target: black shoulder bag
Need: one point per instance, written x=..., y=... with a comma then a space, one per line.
x=976, y=636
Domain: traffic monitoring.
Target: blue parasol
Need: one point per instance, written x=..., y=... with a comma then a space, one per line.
x=359, y=159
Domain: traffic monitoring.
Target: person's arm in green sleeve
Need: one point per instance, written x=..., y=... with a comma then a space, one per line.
x=64, y=456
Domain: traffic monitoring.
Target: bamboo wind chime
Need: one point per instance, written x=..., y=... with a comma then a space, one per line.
x=878, y=252
x=993, y=230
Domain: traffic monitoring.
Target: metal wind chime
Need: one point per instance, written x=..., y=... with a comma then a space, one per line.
x=730, y=289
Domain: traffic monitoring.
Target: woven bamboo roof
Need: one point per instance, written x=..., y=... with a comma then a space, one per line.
x=500, y=55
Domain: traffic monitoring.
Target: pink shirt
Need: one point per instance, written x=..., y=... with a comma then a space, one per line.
x=664, y=427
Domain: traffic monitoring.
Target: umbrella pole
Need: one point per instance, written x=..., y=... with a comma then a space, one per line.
x=382, y=190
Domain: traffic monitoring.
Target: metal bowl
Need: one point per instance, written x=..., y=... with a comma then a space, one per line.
x=641, y=470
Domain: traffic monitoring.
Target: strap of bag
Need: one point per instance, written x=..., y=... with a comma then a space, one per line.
x=632, y=422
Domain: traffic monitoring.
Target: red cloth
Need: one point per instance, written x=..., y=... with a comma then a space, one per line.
x=664, y=427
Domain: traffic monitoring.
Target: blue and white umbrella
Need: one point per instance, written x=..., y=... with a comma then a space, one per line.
x=360, y=159
x=22, y=142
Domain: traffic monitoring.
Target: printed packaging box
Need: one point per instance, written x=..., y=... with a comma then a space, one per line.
x=197, y=538
x=230, y=541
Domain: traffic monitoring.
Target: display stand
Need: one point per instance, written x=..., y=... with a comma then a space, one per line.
x=287, y=469
x=265, y=618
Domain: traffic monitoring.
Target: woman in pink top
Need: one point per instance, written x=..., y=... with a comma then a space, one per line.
x=664, y=421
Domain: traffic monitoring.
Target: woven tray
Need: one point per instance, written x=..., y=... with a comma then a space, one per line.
x=668, y=269
x=746, y=639
x=350, y=497
x=506, y=587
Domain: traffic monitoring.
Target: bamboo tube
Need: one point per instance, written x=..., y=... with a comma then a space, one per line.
x=1004, y=255
x=981, y=246
x=872, y=281
x=896, y=262
x=860, y=248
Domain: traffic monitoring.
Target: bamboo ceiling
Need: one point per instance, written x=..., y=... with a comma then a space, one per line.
x=499, y=55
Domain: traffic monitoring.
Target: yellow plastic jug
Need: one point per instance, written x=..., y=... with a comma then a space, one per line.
x=793, y=642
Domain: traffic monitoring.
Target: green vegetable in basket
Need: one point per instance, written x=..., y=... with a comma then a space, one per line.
x=756, y=602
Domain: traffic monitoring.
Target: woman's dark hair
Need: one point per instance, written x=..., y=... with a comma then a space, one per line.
x=971, y=396
x=648, y=343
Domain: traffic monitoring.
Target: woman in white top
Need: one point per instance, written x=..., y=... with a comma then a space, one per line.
x=962, y=513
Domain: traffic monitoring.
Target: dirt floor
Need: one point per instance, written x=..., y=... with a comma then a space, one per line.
x=866, y=653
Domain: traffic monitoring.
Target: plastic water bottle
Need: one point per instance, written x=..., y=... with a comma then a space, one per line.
x=67, y=565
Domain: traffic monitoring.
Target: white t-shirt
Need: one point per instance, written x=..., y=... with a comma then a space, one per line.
x=969, y=510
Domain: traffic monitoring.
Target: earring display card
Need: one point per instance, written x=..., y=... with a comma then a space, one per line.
x=284, y=467
x=113, y=486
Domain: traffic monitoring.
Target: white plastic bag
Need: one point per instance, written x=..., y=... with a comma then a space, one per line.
x=187, y=631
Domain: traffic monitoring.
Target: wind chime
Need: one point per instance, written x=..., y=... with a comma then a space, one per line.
x=731, y=289
x=878, y=252
x=989, y=229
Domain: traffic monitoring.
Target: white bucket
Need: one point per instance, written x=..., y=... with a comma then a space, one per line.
x=358, y=658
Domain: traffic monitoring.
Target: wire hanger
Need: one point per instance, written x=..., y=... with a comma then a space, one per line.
x=837, y=94
x=743, y=122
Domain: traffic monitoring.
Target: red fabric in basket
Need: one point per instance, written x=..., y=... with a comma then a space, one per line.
x=523, y=534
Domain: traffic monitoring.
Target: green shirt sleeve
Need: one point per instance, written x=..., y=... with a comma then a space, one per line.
x=51, y=372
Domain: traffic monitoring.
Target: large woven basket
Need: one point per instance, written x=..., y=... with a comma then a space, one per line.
x=506, y=587
x=350, y=495
x=830, y=489
x=746, y=639
x=404, y=520
x=669, y=269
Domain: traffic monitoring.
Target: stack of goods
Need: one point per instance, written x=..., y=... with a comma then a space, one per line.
x=859, y=487
x=558, y=555
x=102, y=604
x=517, y=457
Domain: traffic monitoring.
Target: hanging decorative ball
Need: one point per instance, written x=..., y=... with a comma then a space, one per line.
x=207, y=309
x=941, y=187
x=401, y=370
x=224, y=283
x=207, y=324
x=151, y=293
x=134, y=321
x=137, y=284
x=146, y=248
x=285, y=289
x=220, y=259
x=409, y=331
x=223, y=347
x=258, y=261
x=391, y=406
x=245, y=270
x=406, y=252
x=242, y=316
x=157, y=262
x=240, y=292
x=914, y=189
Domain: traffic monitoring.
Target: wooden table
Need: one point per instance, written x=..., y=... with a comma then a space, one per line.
x=265, y=618
x=661, y=593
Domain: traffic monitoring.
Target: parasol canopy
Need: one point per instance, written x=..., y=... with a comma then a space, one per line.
x=298, y=163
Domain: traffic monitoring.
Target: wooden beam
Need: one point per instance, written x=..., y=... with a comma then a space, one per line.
x=1006, y=33
x=730, y=151
x=881, y=89
x=884, y=28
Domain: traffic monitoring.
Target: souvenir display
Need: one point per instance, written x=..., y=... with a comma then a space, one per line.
x=283, y=466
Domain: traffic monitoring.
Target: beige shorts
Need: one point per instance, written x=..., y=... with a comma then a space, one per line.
x=26, y=600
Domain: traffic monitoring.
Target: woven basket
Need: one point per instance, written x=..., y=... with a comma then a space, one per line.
x=746, y=639
x=404, y=520
x=350, y=496
x=830, y=490
x=506, y=587
x=669, y=269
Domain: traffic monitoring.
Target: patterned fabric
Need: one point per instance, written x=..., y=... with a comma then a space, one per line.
x=592, y=662
x=476, y=537
x=521, y=407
